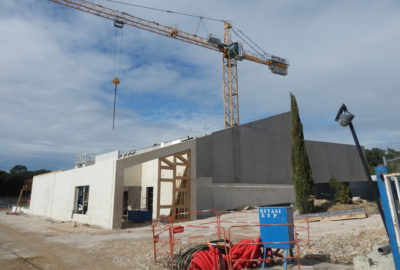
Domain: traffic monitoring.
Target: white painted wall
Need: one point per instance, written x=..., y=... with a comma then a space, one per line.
x=133, y=176
x=143, y=175
x=107, y=156
x=53, y=194
x=150, y=179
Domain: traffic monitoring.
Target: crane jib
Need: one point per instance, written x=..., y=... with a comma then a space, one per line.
x=232, y=51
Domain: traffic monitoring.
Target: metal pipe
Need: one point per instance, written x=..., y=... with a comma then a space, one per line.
x=392, y=207
x=385, y=250
x=371, y=183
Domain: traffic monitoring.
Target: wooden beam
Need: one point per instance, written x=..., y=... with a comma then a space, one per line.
x=166, y=206
x=181, y=158
x=166, y=161
x=333, y=216
x=166, y=167
x=166, y=180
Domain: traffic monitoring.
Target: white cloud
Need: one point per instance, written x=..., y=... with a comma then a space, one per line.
x=56, y=67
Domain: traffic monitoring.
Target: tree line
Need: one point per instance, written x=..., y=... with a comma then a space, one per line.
x=11, y=182
x=375, y=156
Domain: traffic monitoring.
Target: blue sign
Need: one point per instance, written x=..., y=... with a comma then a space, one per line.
x=276, y=233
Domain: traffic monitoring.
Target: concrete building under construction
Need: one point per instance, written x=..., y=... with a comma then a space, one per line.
x=244, y=165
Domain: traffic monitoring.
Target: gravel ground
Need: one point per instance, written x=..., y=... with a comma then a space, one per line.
x=340, y=241
x=28, y=242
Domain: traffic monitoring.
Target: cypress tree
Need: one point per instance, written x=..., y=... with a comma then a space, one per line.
x=301, y=170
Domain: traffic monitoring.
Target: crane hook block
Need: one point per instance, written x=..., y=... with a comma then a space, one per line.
x=115, y=81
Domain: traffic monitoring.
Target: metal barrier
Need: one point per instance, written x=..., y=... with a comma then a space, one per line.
x=307, y=228
x=193, y=234
x=233, y=262
x=161, y=238
x=167, y=237
x=255, y=221
x=390, y=210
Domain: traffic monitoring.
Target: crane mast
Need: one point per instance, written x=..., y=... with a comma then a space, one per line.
x=231, y=51
x=230, y=84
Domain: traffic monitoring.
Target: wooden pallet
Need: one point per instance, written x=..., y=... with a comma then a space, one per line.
x=332, y=216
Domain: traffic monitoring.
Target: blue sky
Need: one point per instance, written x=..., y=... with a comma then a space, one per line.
x=56, y=70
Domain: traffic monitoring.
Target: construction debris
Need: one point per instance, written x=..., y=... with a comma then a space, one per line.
x=374, y=260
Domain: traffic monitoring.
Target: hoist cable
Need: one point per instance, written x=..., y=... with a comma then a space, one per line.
x=164, y=10
x=118, y=43
x=205, y=28
x=115, y=101
x=198, y=26
x=119, y=52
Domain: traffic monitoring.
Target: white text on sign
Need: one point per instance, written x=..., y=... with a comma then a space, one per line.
x=270, y=212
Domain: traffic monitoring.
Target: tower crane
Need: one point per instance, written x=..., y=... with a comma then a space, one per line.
x=232, y=51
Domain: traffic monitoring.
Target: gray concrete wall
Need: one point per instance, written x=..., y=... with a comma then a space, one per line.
x=256, y=152
x=339, y=160
x=232, y=195
x=259, y=153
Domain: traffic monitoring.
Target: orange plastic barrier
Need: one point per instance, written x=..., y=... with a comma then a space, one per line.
x=168, y=237
x=240, y=234
x=306, y=228
x=161, y=238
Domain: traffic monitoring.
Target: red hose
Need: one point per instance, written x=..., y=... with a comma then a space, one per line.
x=244, y=251
x=206, y=260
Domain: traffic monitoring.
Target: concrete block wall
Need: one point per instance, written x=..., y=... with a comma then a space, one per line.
x=53, y=194
x=224, y=196
x=259, y=153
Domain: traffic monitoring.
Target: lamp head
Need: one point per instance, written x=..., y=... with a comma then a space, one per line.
x=343, y=116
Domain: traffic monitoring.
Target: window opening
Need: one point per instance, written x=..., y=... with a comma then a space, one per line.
x=81, y=200
x=149, y=198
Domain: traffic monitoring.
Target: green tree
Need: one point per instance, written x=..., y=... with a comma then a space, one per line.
x=18, y=170
x=11, y=183
x=374, y=158
x=301, y=169
x=342, y=191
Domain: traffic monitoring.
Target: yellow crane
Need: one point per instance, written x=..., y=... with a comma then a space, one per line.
x=232, y=51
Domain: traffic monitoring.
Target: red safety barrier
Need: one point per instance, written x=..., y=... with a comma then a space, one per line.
x=254, y=220
x=239, y=216
x=196, y=233
x=306, y=228
x=242, y=246
x=161, y=238
x=171, y=236
x=247, y=252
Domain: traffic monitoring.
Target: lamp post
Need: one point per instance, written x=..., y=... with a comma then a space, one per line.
x=344, y=117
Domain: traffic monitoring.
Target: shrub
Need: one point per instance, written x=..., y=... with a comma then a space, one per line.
x=342, y=191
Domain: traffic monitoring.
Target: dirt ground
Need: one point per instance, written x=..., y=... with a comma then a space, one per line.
x=28, y=242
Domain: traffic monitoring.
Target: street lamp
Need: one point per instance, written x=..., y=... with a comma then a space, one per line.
x=344, y=117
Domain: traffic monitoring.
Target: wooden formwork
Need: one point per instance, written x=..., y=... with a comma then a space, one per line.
x=174, y=169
